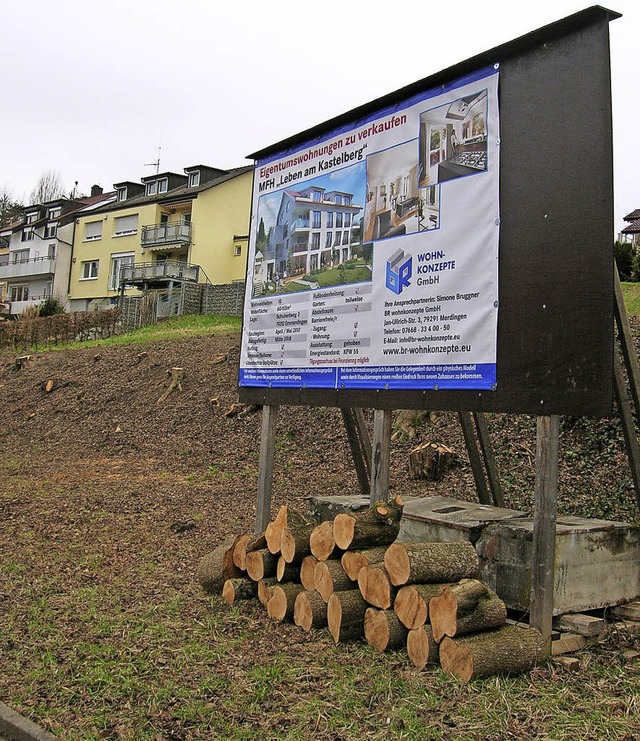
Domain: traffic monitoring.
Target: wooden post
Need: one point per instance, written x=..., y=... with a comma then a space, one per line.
x=381, y=455
x=363, y=433
x=544, y=526
x=489, y=459
x=626, y=341
x=357, y=452
x=474, y=457
x=265, y=474
x=628, y=424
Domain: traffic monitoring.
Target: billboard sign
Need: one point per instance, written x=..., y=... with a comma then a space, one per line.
x=373, y=254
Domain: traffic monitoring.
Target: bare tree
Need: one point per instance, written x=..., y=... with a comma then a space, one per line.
x=48, y=188
x=10, y=208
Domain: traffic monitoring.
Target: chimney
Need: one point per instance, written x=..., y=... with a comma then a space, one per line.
x=96, y=190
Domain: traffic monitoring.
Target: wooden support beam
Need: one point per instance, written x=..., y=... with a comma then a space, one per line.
x=363, y=433
x=489, y=459
x=474, y=457
x=265, y=473
x=626, y=341
x=544, y=525
x=357, y=452
x=628, y=425
x=381, y=457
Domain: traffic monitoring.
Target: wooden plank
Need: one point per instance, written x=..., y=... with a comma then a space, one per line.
x=544, y=524
x=265, y=473
x=567, y=644
x=628, y=424
x=630, y=611
x=381, y=455
x=584, y=625
x=474, y=457
x=489, y=459
x=355, y=444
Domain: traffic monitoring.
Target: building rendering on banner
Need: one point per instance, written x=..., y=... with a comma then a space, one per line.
x=315, y=228
x=36, y=260
x=166, y=231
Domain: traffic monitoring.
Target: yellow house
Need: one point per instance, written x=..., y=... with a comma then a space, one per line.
x=166, y=231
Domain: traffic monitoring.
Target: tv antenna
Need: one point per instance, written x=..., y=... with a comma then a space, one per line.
x=155, y=164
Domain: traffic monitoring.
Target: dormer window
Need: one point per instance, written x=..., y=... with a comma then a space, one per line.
x=55, y=212
x=122, y=193
x=163, y=185
x=157, y=186
x=32, y=217
x=194, y=178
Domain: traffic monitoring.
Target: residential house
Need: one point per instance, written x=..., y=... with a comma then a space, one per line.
x=631, y=232
x=315, y=228
x=37, y=263
x=167, y=230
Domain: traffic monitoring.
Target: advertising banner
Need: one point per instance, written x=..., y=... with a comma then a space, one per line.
x=373, y=253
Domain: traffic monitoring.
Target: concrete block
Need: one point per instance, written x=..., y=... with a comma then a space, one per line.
x=597, y=563
x=443, y=519
x=326, y=508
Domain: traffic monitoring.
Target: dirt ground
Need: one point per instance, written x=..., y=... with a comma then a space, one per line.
x=105, y=485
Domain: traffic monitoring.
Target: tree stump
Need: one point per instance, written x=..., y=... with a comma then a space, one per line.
x=411, y=604
x=283, y=599
x=261, y=564
x=378, y=525
x=430, y=461
x=421, y=648
x=375, y=587
x=383, y=630
x=509, y=650
x=345, y=616
x=321, y=541
x=330, y=577
x=216, y=567
x=421, y=563
x=239, y=589
x=353, y=561
x=310, y=611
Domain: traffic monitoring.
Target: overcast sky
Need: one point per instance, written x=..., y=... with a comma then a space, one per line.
x=91, y=90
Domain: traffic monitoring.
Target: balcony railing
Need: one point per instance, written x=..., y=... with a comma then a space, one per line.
x=158, y=235
x=26, y=268
x=301, y=223
x=150, y=272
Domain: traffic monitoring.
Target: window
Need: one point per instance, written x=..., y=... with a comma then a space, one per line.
x=19, y=293
x=316, y=195
x=27, y=234
x=163, y=185
x=238, y=250
x=346, y=200
x=339, y=221
x=54, y=212
x=122, y=193
x=329, y=238
x=330, y=220
x=32, y=217
x=93, y=230
x=51, y=251
x=51, y=230
x=125, y=225
x=117, y=263
x=338, y=238
x=345, y=237
x=347, y=219
x=316, y=219
x=315, y=240
x=89, y=269
x=152, y=188
x=20, y=256
x=194, y=178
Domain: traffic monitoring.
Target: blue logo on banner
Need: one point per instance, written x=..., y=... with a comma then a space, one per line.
x=398, y=271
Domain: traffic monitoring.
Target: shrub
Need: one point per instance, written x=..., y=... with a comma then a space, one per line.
x=50, y=306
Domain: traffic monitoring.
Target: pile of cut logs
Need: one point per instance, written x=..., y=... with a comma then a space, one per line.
x=349, y=574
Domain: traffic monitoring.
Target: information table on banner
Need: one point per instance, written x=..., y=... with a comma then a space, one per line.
x=373, y=258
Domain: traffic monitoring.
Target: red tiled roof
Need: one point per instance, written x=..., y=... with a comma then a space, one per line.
x=633, y=216
x=633, y=228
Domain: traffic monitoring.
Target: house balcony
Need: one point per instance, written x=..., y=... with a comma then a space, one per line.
x=31, y=268
x=164, y=235
x=17, y=307
x=302, y=247
x=150, y=274
x=300, y=224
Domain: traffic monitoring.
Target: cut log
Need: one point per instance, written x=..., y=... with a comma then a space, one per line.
x=273, y=530
x=353, y=561
x=383, y=630
x=508, y=650
x=261, y=564
x=265, y=588
x=321, y=541
x=411, y=604
x=422, y=563
x=430, y=461
x=421, y=648
x=375, y=587
x=216, y=567
x=307, y=572
x=452, y=603
x=345, y=616
x=330, y=577
x=490, y=612
x=239, y=589
x=286, y=572
x=376, y=526
x=310, y=611
x=294, y=539
x=283, y=599
x=246, y=544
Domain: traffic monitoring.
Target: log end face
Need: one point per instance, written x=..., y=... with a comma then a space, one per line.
x=397, y=564
x=302, y=615
x=334, y=617
x=343, y=530
x=418, y=647
x=228, y=592
x=322, y=541
x=277, y=605
x=287, y=546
